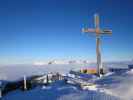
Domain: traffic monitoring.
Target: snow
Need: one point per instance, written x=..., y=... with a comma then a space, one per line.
x=112, y=86
x=58, y=91
x=90, y=87
x=119, y=85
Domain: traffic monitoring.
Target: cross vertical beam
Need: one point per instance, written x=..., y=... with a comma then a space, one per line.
x=98, y=54
x=98, y=32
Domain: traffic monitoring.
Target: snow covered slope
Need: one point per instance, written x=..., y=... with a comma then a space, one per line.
x=58, y=91
x=117, y=84
x=113, y=86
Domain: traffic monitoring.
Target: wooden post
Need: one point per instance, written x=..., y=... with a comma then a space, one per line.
x=25, y=84
x=0, y=93
x=47, y=80
x=98, y=54
x=0, y=90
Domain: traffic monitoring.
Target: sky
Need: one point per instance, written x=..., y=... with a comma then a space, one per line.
x=38, y=30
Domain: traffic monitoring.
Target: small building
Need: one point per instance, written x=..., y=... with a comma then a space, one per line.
x=89, y=71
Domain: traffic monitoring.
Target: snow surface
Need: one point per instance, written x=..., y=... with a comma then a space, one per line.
x=58, y=91
x=113, y=85
x=118, y=84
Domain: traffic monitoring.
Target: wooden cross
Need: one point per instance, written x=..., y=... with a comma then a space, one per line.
x=98, y=32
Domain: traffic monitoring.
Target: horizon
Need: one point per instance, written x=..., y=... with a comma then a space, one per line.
x=33, y=30
x=66, y=62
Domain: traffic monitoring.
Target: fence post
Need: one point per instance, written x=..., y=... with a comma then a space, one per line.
x=0, y=89
x=25, y=84
x=47, y=79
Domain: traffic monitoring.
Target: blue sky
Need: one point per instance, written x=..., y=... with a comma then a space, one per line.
x=33, y=30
